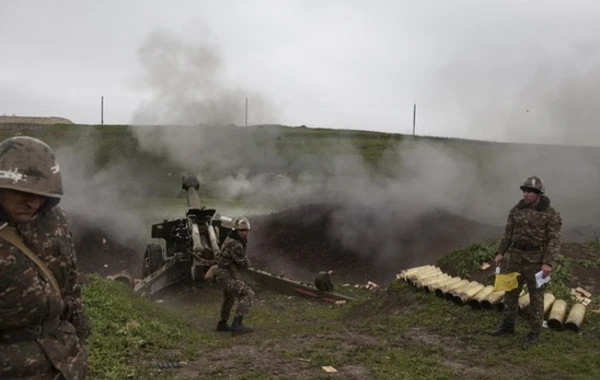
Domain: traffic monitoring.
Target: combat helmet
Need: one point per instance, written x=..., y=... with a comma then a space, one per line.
x=28, y=164
x=534, y=183
x=241, y=224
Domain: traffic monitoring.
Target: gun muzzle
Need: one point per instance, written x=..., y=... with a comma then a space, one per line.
x=191, y=185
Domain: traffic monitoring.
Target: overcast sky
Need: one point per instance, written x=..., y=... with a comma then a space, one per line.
x=501, y=70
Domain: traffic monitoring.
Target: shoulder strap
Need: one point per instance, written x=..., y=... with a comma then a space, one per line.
x=8, y=234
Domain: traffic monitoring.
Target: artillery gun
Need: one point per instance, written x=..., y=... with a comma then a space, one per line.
x=192, y=245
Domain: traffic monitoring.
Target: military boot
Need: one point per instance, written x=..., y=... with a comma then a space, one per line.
x=238, y=328
x=532, y=338
x=223, y=326
x=506, y=328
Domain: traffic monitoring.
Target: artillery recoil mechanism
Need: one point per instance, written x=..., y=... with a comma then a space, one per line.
x=191, y=245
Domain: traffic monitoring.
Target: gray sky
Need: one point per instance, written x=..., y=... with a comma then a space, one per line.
x=503, y=70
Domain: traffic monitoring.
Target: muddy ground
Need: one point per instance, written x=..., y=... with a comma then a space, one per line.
x=299, y=242
x=306, y=239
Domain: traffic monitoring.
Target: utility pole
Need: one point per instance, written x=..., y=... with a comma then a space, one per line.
x=414, y=117
x=246, y=114
x=102, y=110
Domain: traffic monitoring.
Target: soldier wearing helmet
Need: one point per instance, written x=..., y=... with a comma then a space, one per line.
x=530, y=244
x=231, y=261
x=42, y=319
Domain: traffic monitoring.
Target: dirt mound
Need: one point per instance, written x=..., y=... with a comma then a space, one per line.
x=98, y=251
x=303, y=240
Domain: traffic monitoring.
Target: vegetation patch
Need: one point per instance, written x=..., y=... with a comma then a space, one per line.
x=576, y=265
x=467, y=260
x=395, y=332
x=130, y=335
x=449, y=341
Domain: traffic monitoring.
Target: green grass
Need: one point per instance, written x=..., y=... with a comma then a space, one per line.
x=377, y=150
x=396, y=333
x=466, y=260
x=459, y=334
x=131, y=334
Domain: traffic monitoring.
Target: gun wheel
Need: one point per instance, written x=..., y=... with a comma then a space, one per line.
x=153, y=259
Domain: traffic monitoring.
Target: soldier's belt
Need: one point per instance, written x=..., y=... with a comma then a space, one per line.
x=230, y=268
x=29, y=333
x=526, y=247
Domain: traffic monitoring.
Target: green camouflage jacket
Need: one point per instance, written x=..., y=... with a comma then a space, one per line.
x=27, y=301
x=232, y=259
x=533, y=233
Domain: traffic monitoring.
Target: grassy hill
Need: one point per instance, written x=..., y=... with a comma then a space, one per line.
x=286, y=144
x=396, y=332
x=235, y=157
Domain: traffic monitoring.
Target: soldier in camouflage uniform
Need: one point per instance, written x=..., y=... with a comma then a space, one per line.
x=231, y=262
x=530, y=243
x=42, y=320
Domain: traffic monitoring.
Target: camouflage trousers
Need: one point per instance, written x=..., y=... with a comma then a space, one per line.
x=235, y=289
x=536, y=295
x=59, y=355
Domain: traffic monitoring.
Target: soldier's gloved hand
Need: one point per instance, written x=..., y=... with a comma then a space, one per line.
x=68, y=309
x=74, y=313
x=546, y=269
x=498, y=259
x=81, y=321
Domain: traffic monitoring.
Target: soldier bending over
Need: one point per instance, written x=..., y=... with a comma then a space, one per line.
x=231, y=262
x=42, y=319
x=530, y=243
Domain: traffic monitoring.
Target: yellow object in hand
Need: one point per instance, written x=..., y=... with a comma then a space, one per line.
x=506, y=281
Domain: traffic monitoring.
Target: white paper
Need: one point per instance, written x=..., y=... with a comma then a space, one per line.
x=539, y=280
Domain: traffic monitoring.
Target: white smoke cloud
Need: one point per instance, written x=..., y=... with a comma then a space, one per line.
x=391, y=211
x=102, y=199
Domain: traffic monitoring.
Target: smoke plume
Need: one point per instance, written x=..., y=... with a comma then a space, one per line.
x=102, y=199
x=189, y=92
x=186, y=85
x=395, y=211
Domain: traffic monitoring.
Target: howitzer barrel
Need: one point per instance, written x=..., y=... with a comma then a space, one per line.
x=191, y=185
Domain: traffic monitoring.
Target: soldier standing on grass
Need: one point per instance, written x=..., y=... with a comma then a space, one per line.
x=42, y=319
x=231, y=262
x=530, y=243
